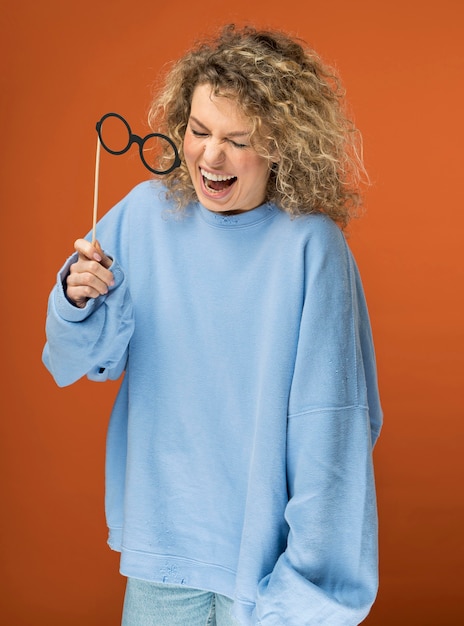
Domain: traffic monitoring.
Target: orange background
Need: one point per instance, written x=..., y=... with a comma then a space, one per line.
x=65, y=64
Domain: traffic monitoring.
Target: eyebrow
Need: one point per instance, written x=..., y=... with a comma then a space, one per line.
x=236, y=133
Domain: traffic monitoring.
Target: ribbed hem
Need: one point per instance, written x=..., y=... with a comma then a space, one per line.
x=181, y=571
x=177, y=570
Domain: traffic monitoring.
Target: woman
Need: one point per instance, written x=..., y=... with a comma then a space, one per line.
x=240, y=484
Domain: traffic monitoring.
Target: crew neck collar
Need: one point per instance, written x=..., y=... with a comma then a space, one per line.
x=238, y=220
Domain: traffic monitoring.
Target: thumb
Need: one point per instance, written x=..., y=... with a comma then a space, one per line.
x=106, y=261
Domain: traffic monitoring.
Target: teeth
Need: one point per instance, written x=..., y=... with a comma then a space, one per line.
x=215, y=177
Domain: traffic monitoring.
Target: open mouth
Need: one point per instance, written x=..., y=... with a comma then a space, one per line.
x=216, y=183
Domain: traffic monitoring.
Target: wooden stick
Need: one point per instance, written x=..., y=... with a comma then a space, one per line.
x=95, y=192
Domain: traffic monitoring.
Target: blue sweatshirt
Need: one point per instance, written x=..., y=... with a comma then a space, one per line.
x=239, y=451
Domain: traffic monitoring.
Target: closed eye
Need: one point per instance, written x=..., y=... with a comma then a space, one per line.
x=238, y=145
x=196, y=133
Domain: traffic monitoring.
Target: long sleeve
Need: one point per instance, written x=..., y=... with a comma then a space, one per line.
x=92, y=341
x=327, y=575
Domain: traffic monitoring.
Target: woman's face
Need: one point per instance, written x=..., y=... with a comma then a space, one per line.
x=226, y=171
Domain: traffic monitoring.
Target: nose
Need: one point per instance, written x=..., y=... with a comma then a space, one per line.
x=214, y=153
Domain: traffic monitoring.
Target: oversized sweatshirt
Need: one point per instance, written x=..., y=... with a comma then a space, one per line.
x=239, y=450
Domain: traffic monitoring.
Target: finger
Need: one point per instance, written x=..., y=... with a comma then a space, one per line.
x=89, y=277
x=81, y=286
x=93, y=276
x=80, y=295
x=106, y=261
x=79, y=290
x=90, y=251
x=85, y=272
x=86, y=250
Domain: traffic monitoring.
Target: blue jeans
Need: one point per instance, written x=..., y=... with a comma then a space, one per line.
x=158, y=604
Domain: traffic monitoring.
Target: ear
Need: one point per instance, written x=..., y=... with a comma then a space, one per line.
x=274, y=160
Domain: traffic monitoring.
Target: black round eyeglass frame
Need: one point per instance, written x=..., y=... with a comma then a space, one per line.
x=140, y=141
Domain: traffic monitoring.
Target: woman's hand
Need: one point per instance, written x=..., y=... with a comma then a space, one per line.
x=89, y=277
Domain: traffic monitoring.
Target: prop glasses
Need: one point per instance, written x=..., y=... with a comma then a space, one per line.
x=161, y=149
x=114, y=131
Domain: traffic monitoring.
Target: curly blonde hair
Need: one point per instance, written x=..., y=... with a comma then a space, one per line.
x=296, y=107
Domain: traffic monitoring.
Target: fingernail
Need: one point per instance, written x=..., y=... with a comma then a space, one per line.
x=97, y=257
